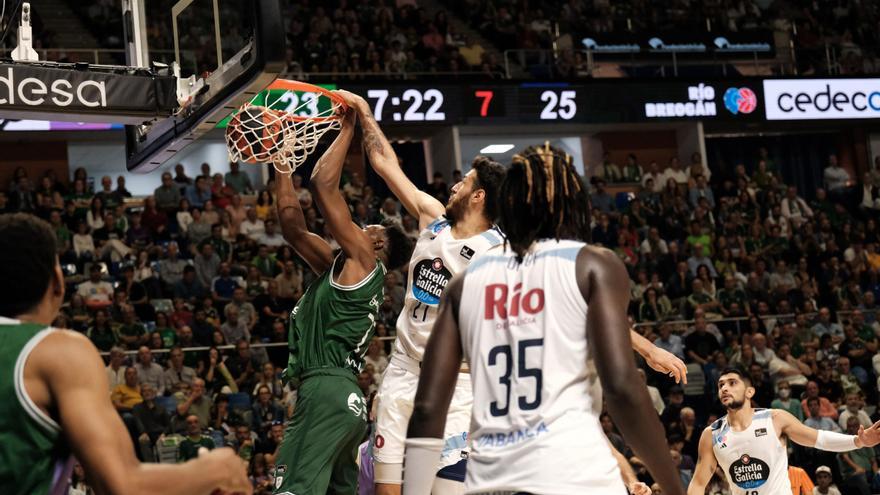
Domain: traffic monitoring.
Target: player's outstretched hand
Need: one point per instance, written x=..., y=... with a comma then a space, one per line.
x=230, y=468
x=353, y=101
x=639, y=488
x=665, y=362
x=871, y=436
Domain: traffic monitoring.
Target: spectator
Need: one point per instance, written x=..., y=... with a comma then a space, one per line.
x=195, y=404
x=189, y=288
x=271, y=237
x=239, y=181
x=198, y=193
x=854, y=409
x=826, y=408
x=269, y=378
x=167, y=195
x=815, y=420
x=801, y=484
x=101, y=333
x=246, y=311
x=265, y=262
x=700, y=344
x=856, y=465
x=701, y=190
x=265, y=411
x=836, y=177
x=824, y=326
x=234, y=328
x=153, y=422
x=823, y=482
x=602, y=200
x=243, y=366
x=149, y=373
x=132, y=333
x=178, y=376
x=97, y=293
x=785, y=402
x=128, y=394
x=109, y=198
x=171, y=267
x=632, y=171
x=252, y=227
x=115, y=369
x=290, y=282
x=795, y=209
x=180, y=177
x=224, y=284
x=189, y=448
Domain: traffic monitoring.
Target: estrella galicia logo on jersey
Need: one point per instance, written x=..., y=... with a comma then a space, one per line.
x=466, y=253
x=749, y=472
x=429, y=279
x=760, y=432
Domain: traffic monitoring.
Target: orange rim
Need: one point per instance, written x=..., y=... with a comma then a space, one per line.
x=292, y=85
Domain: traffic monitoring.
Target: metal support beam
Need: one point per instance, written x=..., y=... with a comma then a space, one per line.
x=134, y=21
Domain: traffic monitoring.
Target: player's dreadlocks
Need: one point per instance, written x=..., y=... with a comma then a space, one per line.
x=542, y=197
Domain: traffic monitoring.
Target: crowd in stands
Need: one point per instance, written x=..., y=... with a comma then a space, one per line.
x=726, y=270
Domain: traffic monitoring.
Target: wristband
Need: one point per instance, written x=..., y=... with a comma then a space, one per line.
x=420, y=465
x=835, y=442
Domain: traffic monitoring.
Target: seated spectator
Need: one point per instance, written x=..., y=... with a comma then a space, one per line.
x=252, y=226
x=239, y=181
x=167, y=195
x=824, y=326
x=860, y=352
x=270, y=307
x=223, y=418
x=265, y=261
x=701, y=190
x=848, y=381
x=178, y=376
x=128, y=394
x=153, y=422
x=601, y=200
x=700, y=345
x=815, y=420
x=795, y=209
x=826, y=408
x=243, y=366
x=224, y=284
x=196, y=403
x=149, y=372
x=189, y=448
x=234, y=328
x=701, y=299
x=101, y=333
x=763, y=354
x=786, y=367
x=246, y=311
x=189, y=287
x=216, y=375
x=131, y=332
x=171, y=267
x=96, y=292
x=271, y=237
x=824, y=484
x=700, y=257
x=856, y=464
x=270, y=443
x=290, y=282
x=198, y=193
x=785, y=402
x=855, y=408
x=266, y=411
x=243, y=442
x=376, y=357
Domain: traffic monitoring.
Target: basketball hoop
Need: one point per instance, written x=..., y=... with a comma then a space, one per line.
x=283, y=124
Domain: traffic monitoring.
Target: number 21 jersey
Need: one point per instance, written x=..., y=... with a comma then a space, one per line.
x=437, y=257
x=523, y=330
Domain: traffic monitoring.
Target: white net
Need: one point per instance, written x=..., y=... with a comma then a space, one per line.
x=262, y=133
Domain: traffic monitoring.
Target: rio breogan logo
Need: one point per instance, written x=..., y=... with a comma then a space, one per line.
x=740, y=100
x=749, y=472
x=430, y=277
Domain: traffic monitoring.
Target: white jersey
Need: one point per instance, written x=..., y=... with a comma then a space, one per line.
x=523, y=330
x=754, y=460
x=437, y=257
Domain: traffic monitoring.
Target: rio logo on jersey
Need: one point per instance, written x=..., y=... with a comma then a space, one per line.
x=502, y=304
x=749, y=472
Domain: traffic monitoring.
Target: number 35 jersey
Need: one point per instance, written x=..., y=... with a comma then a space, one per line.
x=754, y=461
x=437, y=257
x=524, y=333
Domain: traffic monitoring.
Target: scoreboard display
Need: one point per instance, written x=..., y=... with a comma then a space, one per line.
x=586, y=102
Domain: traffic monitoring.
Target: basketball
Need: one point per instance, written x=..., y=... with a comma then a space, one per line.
x=255, y=134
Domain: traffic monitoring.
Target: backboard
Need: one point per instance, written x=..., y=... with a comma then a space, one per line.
x=227, y=51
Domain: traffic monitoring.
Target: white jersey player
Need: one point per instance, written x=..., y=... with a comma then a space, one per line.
x=749, y=444
x=529, y=318
x=451, y=236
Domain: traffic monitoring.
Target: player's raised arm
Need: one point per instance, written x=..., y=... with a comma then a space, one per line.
x=604, y=284
x=100, y=440
x=310, y=247
x=705, y=465
x=356, y=244
x=440, y=368
x=418, y=203
x=802, y=434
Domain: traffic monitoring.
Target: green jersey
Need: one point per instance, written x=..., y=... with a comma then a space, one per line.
x=33, y=453
x=332, y=324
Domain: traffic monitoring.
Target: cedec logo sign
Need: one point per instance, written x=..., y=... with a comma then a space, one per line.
x=812, y=99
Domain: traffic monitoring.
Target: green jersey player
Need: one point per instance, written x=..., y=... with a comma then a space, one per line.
x=330, y=329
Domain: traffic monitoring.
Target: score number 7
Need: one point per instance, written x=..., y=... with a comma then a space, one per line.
x=486, y=95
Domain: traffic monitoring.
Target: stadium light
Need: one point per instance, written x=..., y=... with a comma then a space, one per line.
x=497, y=148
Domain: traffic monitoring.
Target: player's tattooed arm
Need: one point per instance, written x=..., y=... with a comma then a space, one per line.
x=384, y=161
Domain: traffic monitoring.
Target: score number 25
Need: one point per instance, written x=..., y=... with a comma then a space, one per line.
x=558, y=106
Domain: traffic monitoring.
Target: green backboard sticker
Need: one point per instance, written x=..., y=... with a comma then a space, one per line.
x=305, y=103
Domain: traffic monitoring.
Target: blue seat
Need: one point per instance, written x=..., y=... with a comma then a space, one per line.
x=240, y=401
x=169, y=403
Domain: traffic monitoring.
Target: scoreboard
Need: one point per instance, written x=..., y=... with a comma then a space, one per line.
x=537, y=103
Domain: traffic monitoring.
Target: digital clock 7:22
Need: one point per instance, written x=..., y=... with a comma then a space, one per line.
x=407, y=104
